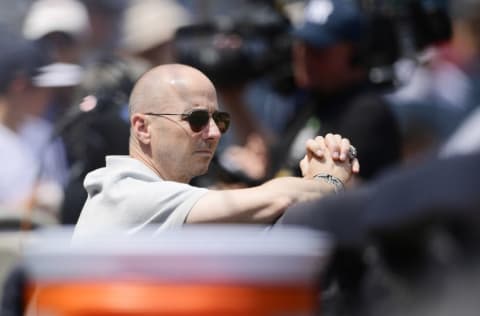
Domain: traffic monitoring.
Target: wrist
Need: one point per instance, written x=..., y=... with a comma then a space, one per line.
x=338, y=184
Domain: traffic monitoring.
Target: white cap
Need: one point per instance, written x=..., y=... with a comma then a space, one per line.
x=47, y=16
x=149, y=23
x=58, y=75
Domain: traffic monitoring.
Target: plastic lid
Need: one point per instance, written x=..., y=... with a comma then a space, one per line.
x=245, y=254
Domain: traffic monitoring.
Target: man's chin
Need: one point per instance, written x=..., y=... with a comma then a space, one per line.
x=203, y=170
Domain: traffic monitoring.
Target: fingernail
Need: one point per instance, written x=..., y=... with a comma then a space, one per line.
x=335, y=155
x=343, y=157
x=319, y=152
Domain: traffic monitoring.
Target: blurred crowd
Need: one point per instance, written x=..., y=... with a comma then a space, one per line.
x=285, y=70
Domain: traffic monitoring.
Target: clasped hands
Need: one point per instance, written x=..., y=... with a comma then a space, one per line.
x=333, y=155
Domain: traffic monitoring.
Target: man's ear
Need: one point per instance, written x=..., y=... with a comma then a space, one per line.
x=140, y=128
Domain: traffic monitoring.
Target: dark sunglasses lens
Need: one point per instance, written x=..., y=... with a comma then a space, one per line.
x=198, y=120
x=222, y=119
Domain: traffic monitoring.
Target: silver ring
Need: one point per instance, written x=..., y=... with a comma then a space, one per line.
x=352, y=153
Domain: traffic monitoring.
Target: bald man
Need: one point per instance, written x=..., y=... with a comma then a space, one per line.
x=175, y=129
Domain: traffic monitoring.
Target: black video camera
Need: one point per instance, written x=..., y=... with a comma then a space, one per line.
x=233, y=49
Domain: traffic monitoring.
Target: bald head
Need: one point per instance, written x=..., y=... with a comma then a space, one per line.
x=162, y=87
x=160, y=136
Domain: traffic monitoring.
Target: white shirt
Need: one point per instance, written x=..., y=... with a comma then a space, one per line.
x=36, y=133
x=18, y=170
x=127, y=196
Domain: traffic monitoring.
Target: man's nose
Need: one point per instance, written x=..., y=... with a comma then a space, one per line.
x=212, y=130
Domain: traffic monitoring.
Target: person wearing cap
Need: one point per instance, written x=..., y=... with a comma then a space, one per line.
x=61, y=27
x=34, y=162
x=335, y=94
x=149, y=27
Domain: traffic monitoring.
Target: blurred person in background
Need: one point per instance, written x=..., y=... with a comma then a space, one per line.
x=148, y=30
x=60, y=28
x=461, y=56
x=34, y=169
x=443, y=90
x=335, y=92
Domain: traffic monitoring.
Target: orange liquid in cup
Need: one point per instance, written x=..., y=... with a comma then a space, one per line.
x=143, y=298
x=204, y=271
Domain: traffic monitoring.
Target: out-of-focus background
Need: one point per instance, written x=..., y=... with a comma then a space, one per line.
x=399, y=78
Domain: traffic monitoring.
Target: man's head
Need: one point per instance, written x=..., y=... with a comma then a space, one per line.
x=168, y=132
x=326, y=46
x=27, y=74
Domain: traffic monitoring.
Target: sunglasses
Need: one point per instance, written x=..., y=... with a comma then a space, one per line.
x=198, y=119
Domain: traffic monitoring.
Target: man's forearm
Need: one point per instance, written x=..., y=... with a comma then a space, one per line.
x=261, y=204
